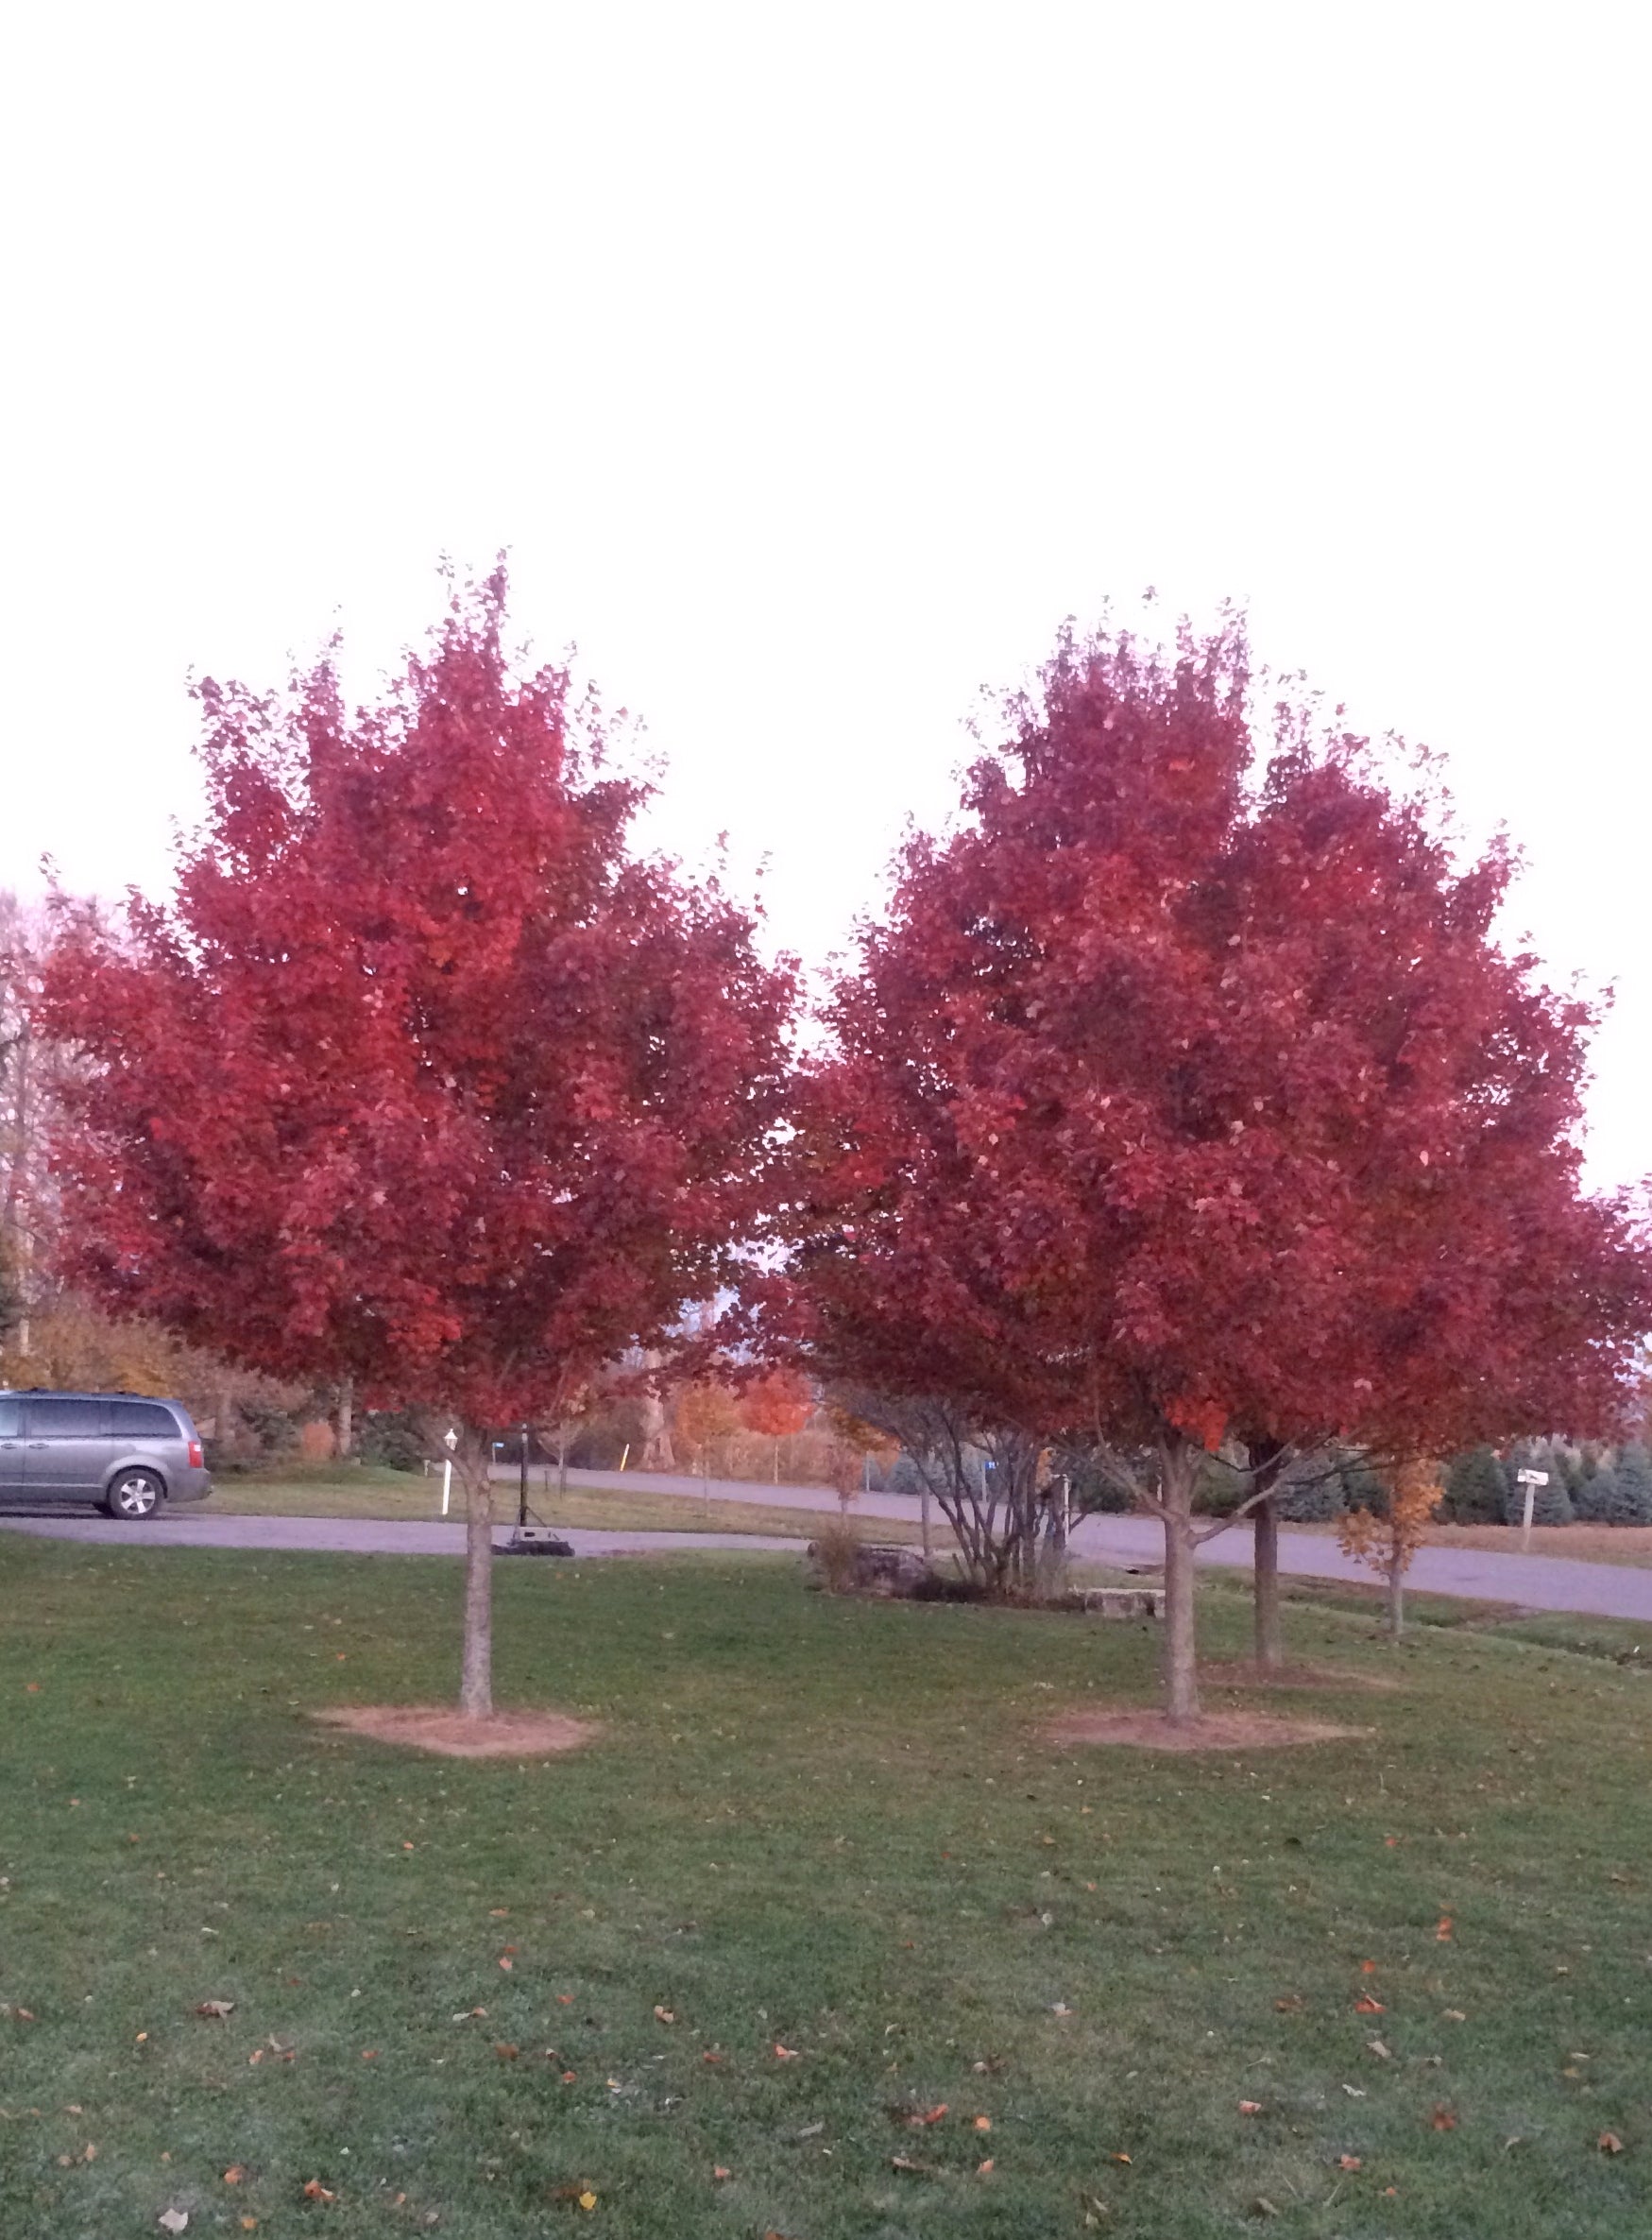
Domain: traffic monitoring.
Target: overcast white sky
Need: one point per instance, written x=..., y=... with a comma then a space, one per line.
x=812, y=363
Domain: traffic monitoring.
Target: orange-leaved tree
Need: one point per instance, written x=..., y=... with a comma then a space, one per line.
x=704, y=1412
x=776, y=1406
x=1387, y=1539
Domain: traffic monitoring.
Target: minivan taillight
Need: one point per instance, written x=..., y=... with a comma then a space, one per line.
x=196, y=1460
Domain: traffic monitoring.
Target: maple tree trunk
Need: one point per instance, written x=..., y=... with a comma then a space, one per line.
x=347, y=1397
x=476, y=1665
x=1270, y=1648
x=1180, y=1648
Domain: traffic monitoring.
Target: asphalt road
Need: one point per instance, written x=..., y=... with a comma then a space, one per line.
x=1532, y=1582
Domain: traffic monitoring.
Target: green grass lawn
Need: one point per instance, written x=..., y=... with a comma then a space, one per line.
x=620, y=1507
x=827, y=1826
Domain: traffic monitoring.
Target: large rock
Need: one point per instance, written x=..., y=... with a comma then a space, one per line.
x=871, y=1567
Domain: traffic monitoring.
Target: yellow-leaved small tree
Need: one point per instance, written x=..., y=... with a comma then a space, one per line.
x=1387, y=1543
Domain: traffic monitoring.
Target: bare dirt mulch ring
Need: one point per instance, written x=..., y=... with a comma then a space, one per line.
x=1244, y=1672
x=1143, y=1729
x=439, y=1727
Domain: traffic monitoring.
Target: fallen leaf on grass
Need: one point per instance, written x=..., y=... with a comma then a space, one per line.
x=1262, y=2206
x=984, y=2169
x=1349, y=2161
x=1456, y=2014
x=714, y=2057
x=565, y=1998
x=370, y=2053
x=1444, y=2118
x=507, y=2053
x=1119, y=2158
x=235, y=2173
x=216, y=2010
x=719, y=2172
x=174, y=2220
x=1250, y=2106
x=1608, y=2143
x=664, y=2014
x=1442, y=1935
x=1291, y=2004
x=1353, y=2091
x=1365, y=2004
x=786, y=2053
x=1368, y=1967
x=1384, y=2053
x=316, y=2191
x=904, y=2161
x=983, y=2122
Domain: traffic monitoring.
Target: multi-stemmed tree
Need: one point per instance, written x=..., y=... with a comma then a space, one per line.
x=1185, y=1095
x=423, y=1079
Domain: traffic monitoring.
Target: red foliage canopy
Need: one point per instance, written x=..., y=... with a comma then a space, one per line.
x=778, y=1404
x=422, y=1079
x=1187, y=1098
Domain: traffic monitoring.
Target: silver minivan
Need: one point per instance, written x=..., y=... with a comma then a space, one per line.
x=129, y=1455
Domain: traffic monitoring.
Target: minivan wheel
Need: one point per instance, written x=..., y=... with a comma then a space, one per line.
x=134, y=1493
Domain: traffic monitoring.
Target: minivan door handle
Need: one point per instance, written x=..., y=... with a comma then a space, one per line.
x=39, y=1443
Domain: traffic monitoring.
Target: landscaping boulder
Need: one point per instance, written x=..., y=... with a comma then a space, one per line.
x=870, y=1567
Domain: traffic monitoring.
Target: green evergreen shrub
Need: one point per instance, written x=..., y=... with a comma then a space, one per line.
x=1620, y=1496
x=1310, y=1493
x=1475, y=1489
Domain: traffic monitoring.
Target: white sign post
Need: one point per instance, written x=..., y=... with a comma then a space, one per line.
x=450, y=1439
x=1531, y=1479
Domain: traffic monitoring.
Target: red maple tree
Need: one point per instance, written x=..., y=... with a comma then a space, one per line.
x=1186, y=1096
x=776, y=1405
x=423, y=1079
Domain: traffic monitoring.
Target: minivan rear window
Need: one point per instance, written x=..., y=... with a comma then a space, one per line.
x=140, y=1419
x=65, y=1419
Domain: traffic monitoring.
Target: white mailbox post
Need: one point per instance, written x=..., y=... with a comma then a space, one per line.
x=1531, y=1479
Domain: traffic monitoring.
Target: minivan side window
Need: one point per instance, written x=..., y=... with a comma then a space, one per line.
x=140, y=1419
x=11, y=1419
x=65, y=1419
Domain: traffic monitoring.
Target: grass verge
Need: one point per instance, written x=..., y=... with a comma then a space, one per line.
x=395, y=1495
x=819, y=1907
